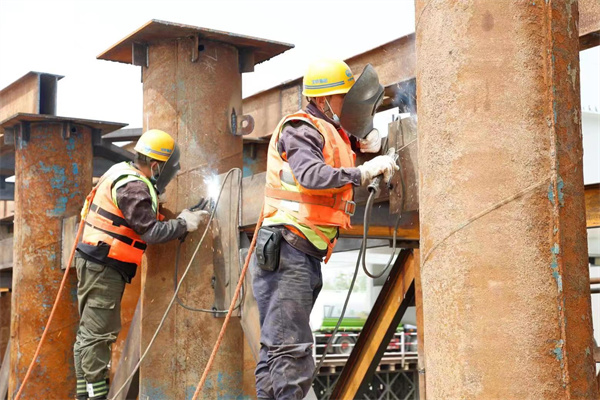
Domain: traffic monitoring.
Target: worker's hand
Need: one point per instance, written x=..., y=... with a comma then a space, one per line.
x=385, y=165
x=193, y=218
x=371, y=143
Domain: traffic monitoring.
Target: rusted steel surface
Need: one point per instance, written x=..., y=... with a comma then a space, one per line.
x=501, y=201
x=129, y=357
x=156, y=30
x=592, y=205
x=53, y=177
x=395, y=297
x=34, y=92
x=129, y=304
x=589, y=23
x=193, y=101
x=402, y=135
x=420, y=331
x=4, y=321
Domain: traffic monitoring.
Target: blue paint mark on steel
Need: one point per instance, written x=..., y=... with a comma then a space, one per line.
x=558, y=352
x=71, y=144
x=551, y=193
x=561, y=196
x=554, y=267
x=560, y=184
x=152, y=392
x=61, y=183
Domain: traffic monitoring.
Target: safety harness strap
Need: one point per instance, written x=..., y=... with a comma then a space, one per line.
x=115, y=219
x=122, y=238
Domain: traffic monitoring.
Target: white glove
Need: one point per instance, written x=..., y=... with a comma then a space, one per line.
x=379, y=165
x=193, y=218
x=371, y=143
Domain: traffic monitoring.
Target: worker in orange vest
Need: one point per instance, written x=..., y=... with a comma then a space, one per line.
x=311, y=174
x=122, y=219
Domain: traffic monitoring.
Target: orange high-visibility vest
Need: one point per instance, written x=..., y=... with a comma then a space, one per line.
x=105, y=221
x=311, y=207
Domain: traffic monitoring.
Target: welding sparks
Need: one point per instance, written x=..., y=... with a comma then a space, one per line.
x=212, y=187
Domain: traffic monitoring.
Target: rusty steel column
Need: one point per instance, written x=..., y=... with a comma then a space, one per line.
x=53, y=176
x=504, y=271
x=192, y=87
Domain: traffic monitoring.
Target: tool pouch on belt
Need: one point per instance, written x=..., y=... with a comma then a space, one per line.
x=268, y=243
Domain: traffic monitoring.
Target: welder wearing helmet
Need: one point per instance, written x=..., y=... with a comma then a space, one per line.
x=123, y=219
x=311, y=174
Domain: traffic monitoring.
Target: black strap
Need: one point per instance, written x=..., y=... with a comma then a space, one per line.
x=115, y=219
x=124, y=239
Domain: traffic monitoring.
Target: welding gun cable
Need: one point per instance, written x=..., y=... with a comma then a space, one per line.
x=228, y=316
x=367, y=224
x=187, y=269
x=203, y=203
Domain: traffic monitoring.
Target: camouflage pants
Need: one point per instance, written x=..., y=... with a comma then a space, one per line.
x=99, y=293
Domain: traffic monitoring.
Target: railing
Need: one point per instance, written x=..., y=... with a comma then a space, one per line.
x=402, y=349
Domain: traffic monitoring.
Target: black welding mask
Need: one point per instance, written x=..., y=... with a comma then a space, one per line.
x=167, y=171
x=361, y=102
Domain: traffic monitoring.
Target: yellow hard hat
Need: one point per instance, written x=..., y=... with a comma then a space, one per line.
x=327, y=77
x=155, y=144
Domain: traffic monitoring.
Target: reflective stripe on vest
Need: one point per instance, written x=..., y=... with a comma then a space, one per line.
x=105, y=222
x=313, y=210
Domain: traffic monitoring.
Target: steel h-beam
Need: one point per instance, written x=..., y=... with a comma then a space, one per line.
x=192, y=87
x=503, y=244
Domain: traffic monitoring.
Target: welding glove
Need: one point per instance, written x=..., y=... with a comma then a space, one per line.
x=385, y=165
x=193, y=218
x=371, y=143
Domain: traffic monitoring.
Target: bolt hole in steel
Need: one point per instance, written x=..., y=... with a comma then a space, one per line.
x=73, y=129
x=200, y=47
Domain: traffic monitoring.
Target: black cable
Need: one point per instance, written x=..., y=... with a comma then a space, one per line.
x=366, y=225
x=201, y=205
x=339, y=322
x=361, y=257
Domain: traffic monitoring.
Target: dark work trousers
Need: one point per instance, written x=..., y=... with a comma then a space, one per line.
x=285, y=299
x=99, y=292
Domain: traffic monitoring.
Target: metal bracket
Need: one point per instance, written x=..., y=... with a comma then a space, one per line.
x=139, y=53
x=246, y=60
x=241, y=125
x=22, y=134
x=195, y=48
x=69, y=129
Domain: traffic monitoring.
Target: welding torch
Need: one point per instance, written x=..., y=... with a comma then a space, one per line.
x=202, y=204
x=374, y=185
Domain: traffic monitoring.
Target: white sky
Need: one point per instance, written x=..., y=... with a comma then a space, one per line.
x=64, y=37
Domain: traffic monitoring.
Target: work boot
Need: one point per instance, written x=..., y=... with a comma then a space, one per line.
x=98, y=390
x=82, y=393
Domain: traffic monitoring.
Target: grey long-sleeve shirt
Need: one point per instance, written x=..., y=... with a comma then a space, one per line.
x=303, y=145
x=135, y=203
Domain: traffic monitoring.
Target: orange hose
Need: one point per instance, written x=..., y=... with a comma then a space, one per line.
x=231, y=307
x=58, y=295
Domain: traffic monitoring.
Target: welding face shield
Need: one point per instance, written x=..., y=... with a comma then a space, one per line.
x=361, y=102
x=167, y=171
